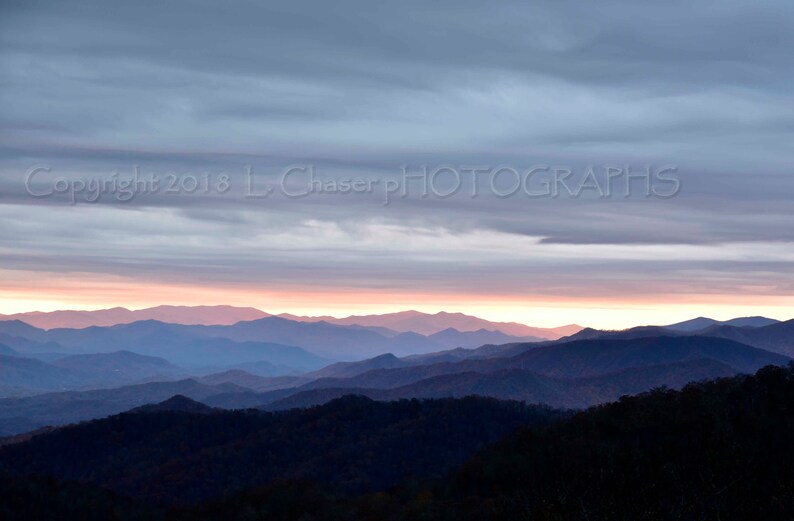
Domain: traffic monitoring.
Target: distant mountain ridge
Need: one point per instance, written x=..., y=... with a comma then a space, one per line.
x=75, y=319
x=777, y=337
x=241, y=342
x=184, y=345
x=24, y=414
x=401, y=322
x=429, y=324
x=701, y=323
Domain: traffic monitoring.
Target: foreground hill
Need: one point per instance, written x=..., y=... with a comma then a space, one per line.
x=719, y=450
x=354, y=444
x=714, y=451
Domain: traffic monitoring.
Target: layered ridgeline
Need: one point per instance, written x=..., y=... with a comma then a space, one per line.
x=716, y=450
x=572, y=374
x=281, y=345
x=35, y=360
x=58, y=376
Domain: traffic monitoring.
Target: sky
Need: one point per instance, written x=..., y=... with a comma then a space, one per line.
x=244, y=120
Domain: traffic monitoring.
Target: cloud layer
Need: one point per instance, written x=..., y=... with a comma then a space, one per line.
x=356, y=89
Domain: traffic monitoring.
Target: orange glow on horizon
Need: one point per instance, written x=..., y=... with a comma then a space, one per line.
x=609, y=312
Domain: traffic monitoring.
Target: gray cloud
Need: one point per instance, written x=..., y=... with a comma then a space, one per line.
x=362, y=89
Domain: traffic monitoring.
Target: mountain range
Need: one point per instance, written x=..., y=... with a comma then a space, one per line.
x=401, y=322
x=62, y=375
x=571, y=374
x=297, y=345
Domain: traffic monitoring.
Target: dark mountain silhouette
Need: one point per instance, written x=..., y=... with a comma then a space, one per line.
x=352, y=443
x=715, y=450
x=32, y=498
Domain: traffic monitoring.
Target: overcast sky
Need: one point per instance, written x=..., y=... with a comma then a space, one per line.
x=358, y=90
